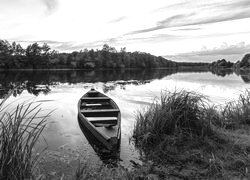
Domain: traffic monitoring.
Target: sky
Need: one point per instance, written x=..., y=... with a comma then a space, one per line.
x=180, y=30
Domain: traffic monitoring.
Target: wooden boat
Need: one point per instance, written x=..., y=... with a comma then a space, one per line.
x=102, y=117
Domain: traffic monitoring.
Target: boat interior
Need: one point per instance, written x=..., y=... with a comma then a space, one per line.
x=99, y=110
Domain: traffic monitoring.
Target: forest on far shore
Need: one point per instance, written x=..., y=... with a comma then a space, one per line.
x=36, y=56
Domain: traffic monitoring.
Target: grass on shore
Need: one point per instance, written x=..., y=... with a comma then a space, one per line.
x=190, y=137
x=106, y=172
x=19, y=132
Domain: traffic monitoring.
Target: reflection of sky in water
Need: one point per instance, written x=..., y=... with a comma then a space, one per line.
x=63, y=128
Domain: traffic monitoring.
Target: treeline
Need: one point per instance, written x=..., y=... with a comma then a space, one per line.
x=35, y=56
x=221, y=64
x=244, y=63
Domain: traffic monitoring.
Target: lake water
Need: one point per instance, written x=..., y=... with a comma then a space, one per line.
x=130, y=89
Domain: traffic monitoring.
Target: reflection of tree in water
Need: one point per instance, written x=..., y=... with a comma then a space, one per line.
x=37, y=89
x=18, y=87
x=31, y=80
x=3, y=93
x=245, y=75
x=78, y=76
x=110, y=86
x=107, y=88
x=246, y=79
x=222, y=71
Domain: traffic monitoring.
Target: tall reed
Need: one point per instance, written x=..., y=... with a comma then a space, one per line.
x=20, y=129
x=177, y=113
x=233, y=114
x=237, y=113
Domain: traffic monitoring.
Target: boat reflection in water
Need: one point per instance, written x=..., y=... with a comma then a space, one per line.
x=108, y=157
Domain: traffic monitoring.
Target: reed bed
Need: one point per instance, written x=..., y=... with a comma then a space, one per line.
x=190, y=136
x=233, y=114
x=237, y=113
x=20, y=129
x=178, y=113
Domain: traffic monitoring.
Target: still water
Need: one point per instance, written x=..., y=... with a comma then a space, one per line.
x=131, y=89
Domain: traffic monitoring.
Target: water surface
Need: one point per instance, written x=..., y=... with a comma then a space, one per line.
x=130, y=89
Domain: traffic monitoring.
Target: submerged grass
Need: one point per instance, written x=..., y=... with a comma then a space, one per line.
x=20, y=129
x=106, y=172
x=184, y=132
x=86, y=171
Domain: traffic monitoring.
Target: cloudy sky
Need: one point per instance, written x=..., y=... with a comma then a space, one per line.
x=182, y=30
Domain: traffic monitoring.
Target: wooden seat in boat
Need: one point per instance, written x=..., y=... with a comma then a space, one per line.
x=112, y=120
x=103, y=121
x=95, y=99
x=95, y=104
x=100, y=112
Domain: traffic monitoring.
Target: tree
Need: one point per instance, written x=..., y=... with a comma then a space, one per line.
x=45, y=50
x=5, y=48
x=33, y=50
x=245, y=62
x=5, y=54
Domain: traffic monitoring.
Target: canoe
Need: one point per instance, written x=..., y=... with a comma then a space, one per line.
x=102, y=117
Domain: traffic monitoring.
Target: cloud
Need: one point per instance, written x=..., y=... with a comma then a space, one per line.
x=232, y=5
x=220, y=18
x=204, y=14
x=154, y=38
x=51, y=5
x=40, y=42
x=212, y=4
x=172, y=20
x=116, y=42
x=187, y=29
x=69, y=46
x=171, y=6
x=229, y=52
x=146, y=30
x=73, y=46
x=23, y=8
x=118, y=19
x=223, y=50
